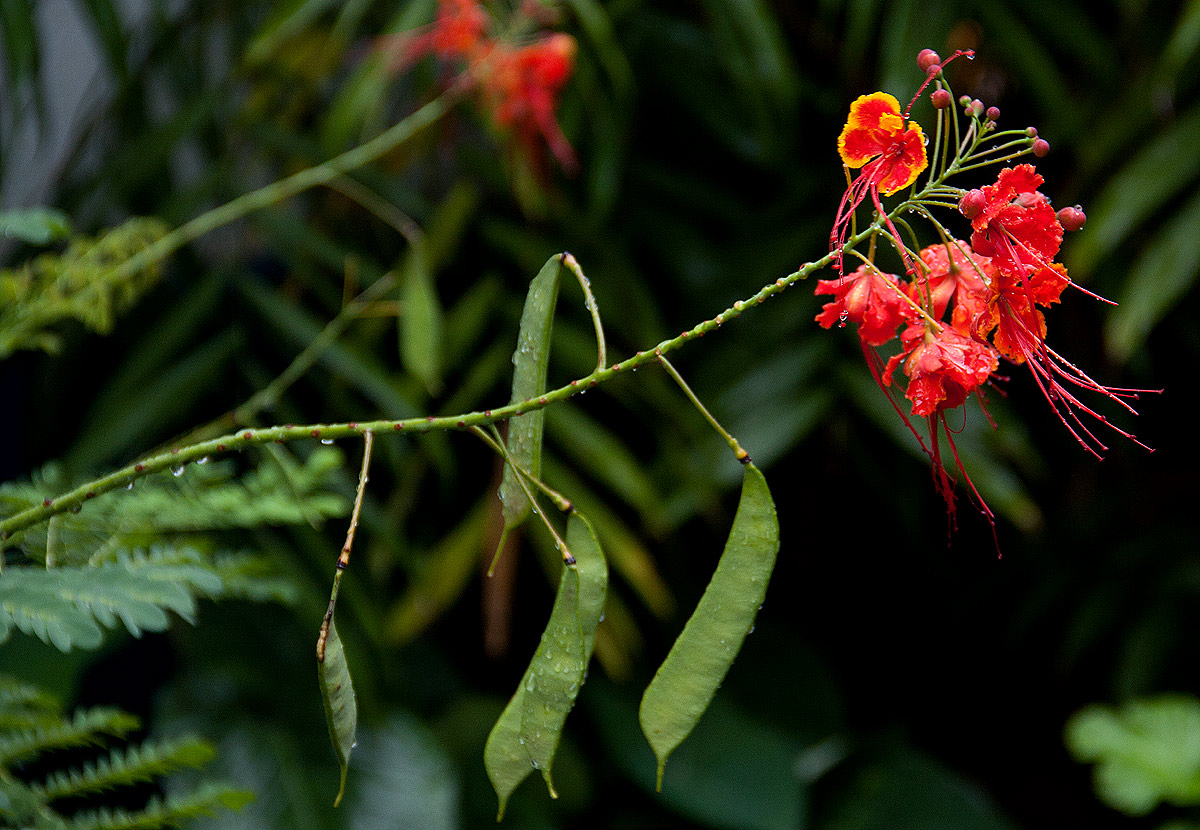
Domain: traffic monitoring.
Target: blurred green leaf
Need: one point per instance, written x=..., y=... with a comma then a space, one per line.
x=1146, y=752
x=905, y=790
x=1159, y=279
x=37, y=226
x=1144, y=186
x=420, y=321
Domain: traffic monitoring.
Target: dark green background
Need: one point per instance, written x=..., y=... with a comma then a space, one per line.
x=894, y=681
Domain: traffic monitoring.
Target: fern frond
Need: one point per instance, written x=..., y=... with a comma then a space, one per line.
x=128, y=766
x=87, y=727
x=81, y=283
x=163, y=813
x=67, y=607
x=206, y=497
x=21, y=806
x=253, y=576
x=23, y=706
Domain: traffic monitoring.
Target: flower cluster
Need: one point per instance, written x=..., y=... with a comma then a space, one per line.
x=961, y=306
x=518, y=83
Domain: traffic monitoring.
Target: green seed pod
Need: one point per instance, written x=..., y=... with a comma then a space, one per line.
x=526, y=735
x=687, y=680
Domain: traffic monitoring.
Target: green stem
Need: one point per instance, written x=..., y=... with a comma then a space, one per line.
x=285, y=188
x=183, y=455
x=589, y=299
x=738, y=453
x=344, y=556
x=523, y=479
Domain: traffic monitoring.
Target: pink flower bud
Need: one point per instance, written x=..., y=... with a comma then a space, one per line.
x=977, y=107
x=993, y=113
x=927, y=58
x=972, y=203
x=940, y=98
x=1071, y=218
x=1031, y=132
x=1041, y=147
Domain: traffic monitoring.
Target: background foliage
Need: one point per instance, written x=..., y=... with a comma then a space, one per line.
x=892, y=681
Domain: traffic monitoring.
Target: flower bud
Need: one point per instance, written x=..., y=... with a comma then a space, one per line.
x=1041, y=147
x=964, y=100
x=972, y=203
x=940, y=98
x=993, y=113
x=928, y=58
x=1031, y=132
x=1071, y=218
x=977, y=107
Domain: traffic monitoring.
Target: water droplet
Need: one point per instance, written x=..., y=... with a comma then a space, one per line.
x=202, y=459
x=327, y=441
x=177, y=471
x=529, y=684
x=129, y=486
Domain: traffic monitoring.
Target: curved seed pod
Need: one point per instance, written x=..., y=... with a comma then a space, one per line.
x=687, y=680
x=526, y=735
x=529, y=381
x=341, y=708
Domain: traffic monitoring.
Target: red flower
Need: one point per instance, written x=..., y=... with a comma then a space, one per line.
x=1011, y=311
x=522, y=86
x=959, y=278
x=1020, y=335
x=943, y=369
x=1014, y=224
x=458, y=32
x=867, y=297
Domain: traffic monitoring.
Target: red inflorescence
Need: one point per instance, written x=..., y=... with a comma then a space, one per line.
x=519, y=84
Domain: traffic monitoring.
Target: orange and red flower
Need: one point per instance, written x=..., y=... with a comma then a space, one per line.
x=891, y=154
x=876, y=137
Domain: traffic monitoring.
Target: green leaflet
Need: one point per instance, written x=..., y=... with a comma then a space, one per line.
x=530, y=361
x=526, y=735
x=71, y=607
x=341, y=708
x=687, y=680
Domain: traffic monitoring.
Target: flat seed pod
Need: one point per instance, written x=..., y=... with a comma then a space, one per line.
x=687, y=680
x=526, y=735
x=341, y=708
x=530, y=362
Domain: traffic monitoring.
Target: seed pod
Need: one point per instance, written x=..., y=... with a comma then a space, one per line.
x=687, y=680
